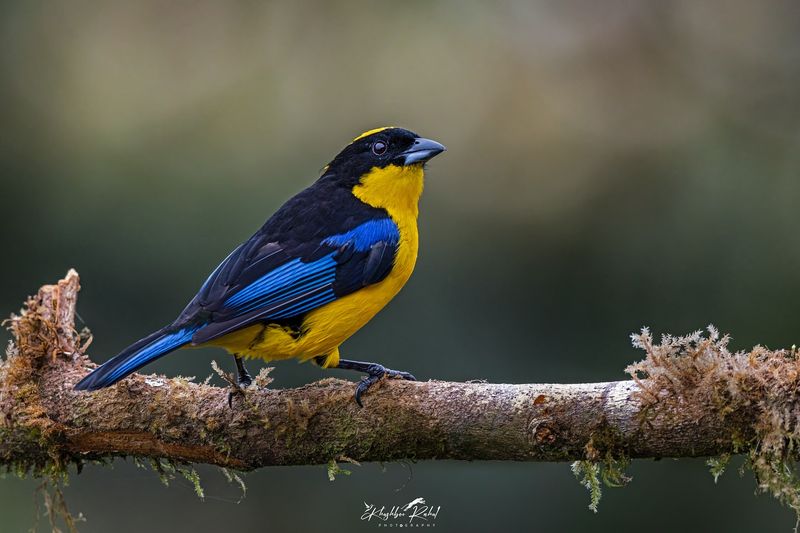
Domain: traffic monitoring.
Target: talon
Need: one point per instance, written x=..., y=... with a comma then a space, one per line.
x=231, y=394
x=375, y=373
x=242, y=383
x=401, y=375
x=364, y=385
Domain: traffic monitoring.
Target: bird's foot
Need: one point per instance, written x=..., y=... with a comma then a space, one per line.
x=243, y=381
x=375, y=373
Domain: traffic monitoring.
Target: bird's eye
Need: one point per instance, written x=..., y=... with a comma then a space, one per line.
x=379, y=147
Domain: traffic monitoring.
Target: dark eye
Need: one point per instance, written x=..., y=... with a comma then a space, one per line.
x=379, y=147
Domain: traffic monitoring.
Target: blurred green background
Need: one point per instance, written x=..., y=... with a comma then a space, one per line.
x=611, y=165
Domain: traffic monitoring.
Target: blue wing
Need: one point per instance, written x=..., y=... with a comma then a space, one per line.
x=282, y=272
x=274, y=282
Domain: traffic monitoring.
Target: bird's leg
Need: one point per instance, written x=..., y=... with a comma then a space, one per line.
x=374, y=373
x=243, y=380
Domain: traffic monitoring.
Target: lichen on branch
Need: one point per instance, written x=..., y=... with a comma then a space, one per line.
x=760, y=387
x=689, y=397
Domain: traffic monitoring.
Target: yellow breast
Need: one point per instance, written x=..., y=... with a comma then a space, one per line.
x=394, y=188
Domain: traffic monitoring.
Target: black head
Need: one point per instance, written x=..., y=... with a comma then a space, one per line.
x=380, y=148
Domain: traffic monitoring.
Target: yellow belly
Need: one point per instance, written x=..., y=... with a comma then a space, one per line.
x=395, y=189
x=324, y=329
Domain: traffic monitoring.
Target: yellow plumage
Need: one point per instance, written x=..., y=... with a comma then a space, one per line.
x=396, y=189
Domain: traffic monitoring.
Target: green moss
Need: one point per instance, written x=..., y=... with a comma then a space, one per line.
x=756, y=393
x=334, y=469
x=168, y=470
x=194, y=478
x=235, y=477
x=610, y=470
x=588, y=473
x=165, y=470
x=717, y=465
x=55, y=508
x=613, y=469
x=777, y=476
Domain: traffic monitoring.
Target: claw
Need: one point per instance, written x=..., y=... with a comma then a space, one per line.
x=375, y=373
x=231, y=394
x=243, y=381
x=365, y=383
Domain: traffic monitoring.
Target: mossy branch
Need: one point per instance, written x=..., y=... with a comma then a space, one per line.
x=690, y=397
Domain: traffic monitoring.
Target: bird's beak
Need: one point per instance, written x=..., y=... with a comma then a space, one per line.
x=422, y=151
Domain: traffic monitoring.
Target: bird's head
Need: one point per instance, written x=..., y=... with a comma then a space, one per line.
x=384, y=167
x=381, y=148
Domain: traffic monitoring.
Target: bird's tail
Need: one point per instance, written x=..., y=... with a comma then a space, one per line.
x=136, y=356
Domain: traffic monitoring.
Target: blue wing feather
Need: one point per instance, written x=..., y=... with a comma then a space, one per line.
x=351, y=260
x=283, y=283
x=364, y=236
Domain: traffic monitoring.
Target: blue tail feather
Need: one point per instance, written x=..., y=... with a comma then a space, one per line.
x=136, y=356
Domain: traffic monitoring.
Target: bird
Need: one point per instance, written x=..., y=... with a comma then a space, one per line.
x=321, y=267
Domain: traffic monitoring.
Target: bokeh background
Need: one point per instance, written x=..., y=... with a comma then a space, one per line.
x=611, y=165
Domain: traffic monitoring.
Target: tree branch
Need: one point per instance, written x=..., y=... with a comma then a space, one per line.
x=690, y=397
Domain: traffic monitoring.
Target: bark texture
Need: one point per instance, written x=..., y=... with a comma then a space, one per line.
x=43, y=422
